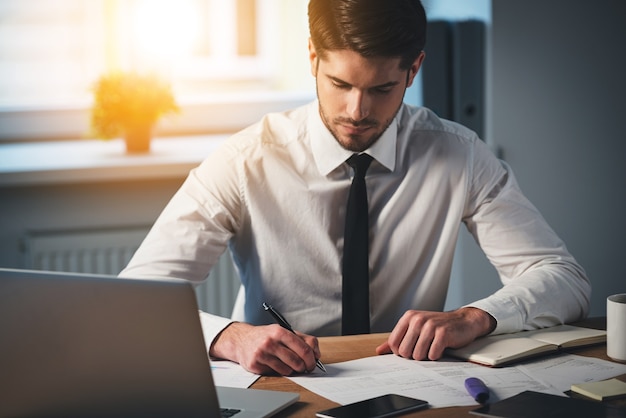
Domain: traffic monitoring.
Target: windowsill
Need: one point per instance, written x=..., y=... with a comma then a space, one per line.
x=88, y=161
x=219, y=113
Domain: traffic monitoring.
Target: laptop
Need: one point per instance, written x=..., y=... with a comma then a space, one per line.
x=83, y=345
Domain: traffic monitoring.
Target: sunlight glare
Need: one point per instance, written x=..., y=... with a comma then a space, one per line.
x=166, y=29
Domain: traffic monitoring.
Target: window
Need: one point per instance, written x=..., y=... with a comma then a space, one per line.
x=213, y=51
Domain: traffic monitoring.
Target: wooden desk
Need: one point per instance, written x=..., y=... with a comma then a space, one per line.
x=338, y=349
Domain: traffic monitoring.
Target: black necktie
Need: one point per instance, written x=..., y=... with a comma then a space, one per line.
x=355, y=289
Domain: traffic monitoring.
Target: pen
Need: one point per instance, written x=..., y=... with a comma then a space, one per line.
x=283, y=323
x=478, y=389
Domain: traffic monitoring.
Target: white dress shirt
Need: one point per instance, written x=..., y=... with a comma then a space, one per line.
x=275, y=194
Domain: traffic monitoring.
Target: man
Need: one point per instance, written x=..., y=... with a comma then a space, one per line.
x=276, y=194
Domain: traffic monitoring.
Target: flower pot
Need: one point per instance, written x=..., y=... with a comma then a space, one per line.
x=137, y=138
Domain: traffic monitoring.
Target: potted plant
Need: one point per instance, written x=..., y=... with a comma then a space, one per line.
x=129, y=104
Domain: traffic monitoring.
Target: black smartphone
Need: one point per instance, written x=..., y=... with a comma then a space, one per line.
x=379, y=407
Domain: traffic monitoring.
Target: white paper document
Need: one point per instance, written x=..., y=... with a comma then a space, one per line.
x=227, y=373
x=567, y=369
x=441, y=383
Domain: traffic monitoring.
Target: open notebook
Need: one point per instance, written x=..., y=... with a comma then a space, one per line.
x=91, y=345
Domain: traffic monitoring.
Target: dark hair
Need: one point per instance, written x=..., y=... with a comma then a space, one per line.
x=373, y=28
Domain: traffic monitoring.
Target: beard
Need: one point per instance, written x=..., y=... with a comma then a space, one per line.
x=358, y=142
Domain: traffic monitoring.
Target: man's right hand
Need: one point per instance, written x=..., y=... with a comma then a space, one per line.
x=267, y=349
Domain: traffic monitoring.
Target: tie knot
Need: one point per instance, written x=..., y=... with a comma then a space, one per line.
x=360, y=163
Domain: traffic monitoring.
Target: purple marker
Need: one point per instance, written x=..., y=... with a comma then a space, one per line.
x=477, y=388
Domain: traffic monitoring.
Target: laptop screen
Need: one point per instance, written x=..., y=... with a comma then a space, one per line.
x=89, y=345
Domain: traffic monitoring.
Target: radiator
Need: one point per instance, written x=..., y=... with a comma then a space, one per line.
x=107, y=251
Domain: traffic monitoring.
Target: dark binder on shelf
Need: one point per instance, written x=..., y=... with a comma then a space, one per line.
x=453, y=72
x=468, y=74
x=437, y=69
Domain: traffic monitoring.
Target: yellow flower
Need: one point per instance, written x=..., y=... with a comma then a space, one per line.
x=123, y=100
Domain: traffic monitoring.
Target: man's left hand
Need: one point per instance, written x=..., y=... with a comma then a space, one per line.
x=422, y=335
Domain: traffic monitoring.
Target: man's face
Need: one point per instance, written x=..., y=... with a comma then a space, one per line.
x=358, y=96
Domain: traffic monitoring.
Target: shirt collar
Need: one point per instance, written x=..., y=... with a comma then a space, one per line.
x=329, y=155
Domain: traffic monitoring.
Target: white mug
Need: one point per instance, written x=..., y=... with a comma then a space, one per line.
x=616, y=327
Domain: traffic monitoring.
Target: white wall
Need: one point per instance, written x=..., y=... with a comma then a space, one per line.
x=556, y=86
x=24, y=209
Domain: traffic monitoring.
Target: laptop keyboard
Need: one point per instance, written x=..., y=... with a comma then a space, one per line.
x=226, y=412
